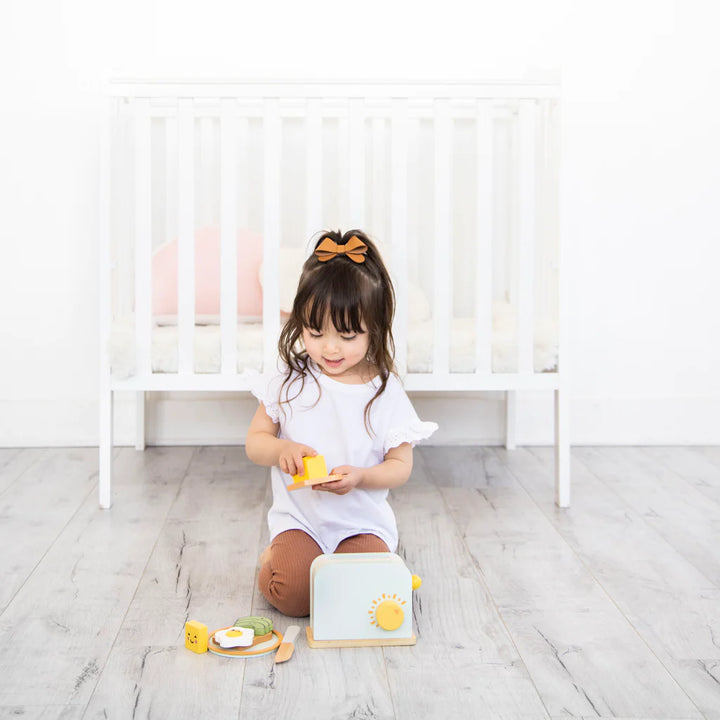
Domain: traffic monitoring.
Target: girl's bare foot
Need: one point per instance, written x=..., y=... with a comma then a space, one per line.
x=265, y=555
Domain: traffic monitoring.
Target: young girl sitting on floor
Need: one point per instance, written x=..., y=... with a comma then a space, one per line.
x=337, y=395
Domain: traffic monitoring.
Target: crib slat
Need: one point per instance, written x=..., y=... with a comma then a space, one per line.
x=105, y=415
x=170, y=169
x=355, y=171
x=544, y=253
x=341, y=169
x=443, y=245
x=272, y=208
x=242, y=208
x=378, y=191
x=398, y=232
x=143, y=238
x=526, y=235
x=186, y=236
x=561, y=300
x=483, y=238
x=122, y=175
x=313, y=165
x=228, y=239
x=418, y=267
x=207, y=191
x=547, y=293
x=560, y=312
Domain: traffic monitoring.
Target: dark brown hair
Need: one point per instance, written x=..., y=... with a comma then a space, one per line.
x=348, y=295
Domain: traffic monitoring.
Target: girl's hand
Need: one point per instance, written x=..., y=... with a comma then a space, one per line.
x=291, y=455
x=351, y=477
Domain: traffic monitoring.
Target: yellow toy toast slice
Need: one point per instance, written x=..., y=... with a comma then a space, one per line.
x=314, y=473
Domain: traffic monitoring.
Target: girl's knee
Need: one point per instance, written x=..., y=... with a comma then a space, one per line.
x=284, y=578
x=292, y=607
x=289, y=595
x=363, y=543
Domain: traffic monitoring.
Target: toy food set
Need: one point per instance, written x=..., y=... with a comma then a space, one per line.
x=356, y=600
x=246, y=637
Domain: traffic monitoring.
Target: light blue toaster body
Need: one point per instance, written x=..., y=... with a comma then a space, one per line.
x=352, y=594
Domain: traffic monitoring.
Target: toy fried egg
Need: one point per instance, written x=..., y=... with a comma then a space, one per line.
x=234, y=637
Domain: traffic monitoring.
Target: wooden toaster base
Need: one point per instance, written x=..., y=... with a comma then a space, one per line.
x=371, y=642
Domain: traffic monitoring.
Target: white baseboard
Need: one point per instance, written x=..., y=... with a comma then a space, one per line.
x=207, y=419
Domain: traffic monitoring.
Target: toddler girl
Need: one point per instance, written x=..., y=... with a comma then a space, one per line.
x=336, y=395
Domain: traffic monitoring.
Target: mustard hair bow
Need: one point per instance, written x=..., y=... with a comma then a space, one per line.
x=355, y=249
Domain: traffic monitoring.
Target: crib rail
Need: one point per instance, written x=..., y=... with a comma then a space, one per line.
x=170, y=89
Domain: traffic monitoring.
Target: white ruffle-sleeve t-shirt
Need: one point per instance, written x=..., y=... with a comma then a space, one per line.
x=329, y=416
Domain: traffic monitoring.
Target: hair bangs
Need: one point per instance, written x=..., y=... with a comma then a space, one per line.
x=340, y=305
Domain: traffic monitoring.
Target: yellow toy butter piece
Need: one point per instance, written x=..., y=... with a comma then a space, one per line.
x=196, y=636
x=314, y=467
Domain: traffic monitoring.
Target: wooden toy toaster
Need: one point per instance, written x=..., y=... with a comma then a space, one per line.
x=360, y=599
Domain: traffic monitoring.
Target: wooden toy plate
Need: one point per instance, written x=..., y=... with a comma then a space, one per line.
x=313, y=481
x=257, y=648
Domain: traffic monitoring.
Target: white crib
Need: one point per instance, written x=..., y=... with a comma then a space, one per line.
x=212, y=191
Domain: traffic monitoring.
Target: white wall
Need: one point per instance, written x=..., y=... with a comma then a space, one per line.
x=640, y=191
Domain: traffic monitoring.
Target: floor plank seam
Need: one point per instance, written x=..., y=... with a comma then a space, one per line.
x=481, y=579
x=261, y=537
x=141, y=575
x=629, y=508
x=669, y=468
x=391, y=694
x=24, y=471
x=253, y=610
x=50, y=546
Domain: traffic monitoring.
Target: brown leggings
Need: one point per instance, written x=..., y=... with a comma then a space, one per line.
x=284, y=578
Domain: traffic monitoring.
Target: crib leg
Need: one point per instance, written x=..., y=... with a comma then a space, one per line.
x=562, y=448
x=140, y=420
x=510, y=419
x=105, y=449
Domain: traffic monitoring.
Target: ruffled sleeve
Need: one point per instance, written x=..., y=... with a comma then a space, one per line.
x=412, y=433
x=404, y=425
x=267, y=390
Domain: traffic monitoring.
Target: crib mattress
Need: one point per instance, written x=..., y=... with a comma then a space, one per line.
x=207, y=355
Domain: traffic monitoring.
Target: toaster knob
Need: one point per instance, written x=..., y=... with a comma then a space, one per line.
x=389, y=615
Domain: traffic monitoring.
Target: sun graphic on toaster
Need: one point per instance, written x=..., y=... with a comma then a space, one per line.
x=387, y=612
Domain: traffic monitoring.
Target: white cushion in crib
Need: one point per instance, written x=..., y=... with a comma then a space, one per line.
x=419, y=346
x=504, y=359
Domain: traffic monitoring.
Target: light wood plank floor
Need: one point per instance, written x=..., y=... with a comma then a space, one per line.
x=609, y=609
